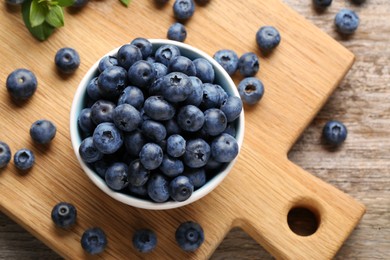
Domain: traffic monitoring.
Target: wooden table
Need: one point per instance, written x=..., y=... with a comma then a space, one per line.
x=361, y=167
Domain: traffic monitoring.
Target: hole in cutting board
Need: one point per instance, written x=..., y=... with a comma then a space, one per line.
x=302, y=221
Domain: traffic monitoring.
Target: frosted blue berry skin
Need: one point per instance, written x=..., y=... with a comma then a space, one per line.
x=322, y=3
x=224, y=148
x=141, y=74
x=43, y=131
x=204, y=70
x=107, y=138
x=88, y=151
x=151, y=156
x=157, y=187
x=102, y=111
x=154, y=130
x=127, y=55
x=157, y=108
x=248, y=64
x=183, y=9
x=189, y=236
x=232, y=108
x=251, y=90
x=106, y=62
x=334, y=132
x=214, y=121
x=112, y=81
x=197, y=177
x=94, y=241
x=176, y=145
x=197, y=153
x=176, y=87
x=171, y=166
x=177, y=32
x=67, y=60
x=24, y=159
x=213, y=96
x=144, y=240
x=138, y=175
x=165, y=53
x=267, y=38
x=134, y=142
x=126, y=117
x=64, y=215
x=346, y=21
x=133, y=96
x=21, y=84
x=190, y=118
x=196, y=97
x=180, y=188
x=117, y=176
x=144, y=45
x=160, y=69
x=182, y=64
x=93, y=89
x=228, y=59
x=5, y=154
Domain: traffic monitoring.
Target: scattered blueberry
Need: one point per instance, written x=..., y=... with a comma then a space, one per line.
x=190, y=118
x=232, y=108
x=145, y=240
x=141, y=74
x=24, y=159
x=346, y=21
x=15, y=2
x=102, y=111
x=180, y=188
x=204, y=70
x=267, y=38
x=106, y=62
x=138, y=175
x=133, y=96
x=183, y=9
x=21, y=84
x=176, y=145
x=5, y=154
x=64, y=215
x=158, y=188
x=126, y=117
x=127, y=55
x=248, y=64
x=43, y=131
x=322, y=3
x=182, y=64
x=67, y=60
x=228, y=59
x=107, y=138
x=197, y=153
x=251, y=90
x=80, y=3
x=117, y=176
x=334, y=132
x=151, y=156
x=144, y=45
x=94, y=241
x=189, y=236
x=165, y=53
x=88, y=151
x=112, y=81
x=224, y=148
x=177, y=32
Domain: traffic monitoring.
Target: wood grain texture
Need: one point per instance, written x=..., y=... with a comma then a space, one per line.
x=359, y=101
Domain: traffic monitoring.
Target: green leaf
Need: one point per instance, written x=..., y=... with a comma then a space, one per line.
x=125, y=2
x=65, y=3
x=38, y=12
x=42, y=31
x=55, y=16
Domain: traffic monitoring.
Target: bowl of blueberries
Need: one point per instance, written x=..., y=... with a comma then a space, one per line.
x=157, y=124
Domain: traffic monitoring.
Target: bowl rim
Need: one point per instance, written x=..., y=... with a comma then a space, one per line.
x=127, y=198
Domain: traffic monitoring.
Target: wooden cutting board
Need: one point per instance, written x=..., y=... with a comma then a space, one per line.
x=262, y=187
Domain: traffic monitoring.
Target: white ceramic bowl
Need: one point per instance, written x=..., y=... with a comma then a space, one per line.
x=221, y=78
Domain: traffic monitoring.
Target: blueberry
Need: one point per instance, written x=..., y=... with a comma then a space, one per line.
x=144, y=45
x=126, y=117
x=230, y=129
x=165, y=53
x=102, y=111
x=171, y=166
x=15, y=2
x=177, y=32
x=21, y=84
x=251, y=90
x=197, y=177
x=117, y=176
x=144, y=240
x=160, y=69
x=84, y=121
x=157, y=108
x=196, y=97
x=154, y=130
x=204, y=70
x=107, y=138
x=93, y=89
x=248, y=64
x=322, y=3
x=127, y=55
x=24, y=159
x=180, y=188
x=67, y=60
x=151, y=156
x=213, y=96
x=228, y=59
x=133, y=96
x=79, y=3
x=346, y=21
x=151, y=59
x=176, y=87
x=106, y=62
x=112, y=81
x=156, y=88
x=189, y=236
x=138, y=175
x=334, y=132
x=101, y=167
x=197, y=153
x=139, y=191
x=224, y=148
x=134, y=142
x=182, y=64
x=214, y=121
x=176, y=145
x=232, y=108
x=43, y=131
x=158, y=188
x=141, y=74
x=190, y=118
x=5, y=154
x=267, y=38
x=88, y=151
x=64, y=215
x=183, y=9
x=94, y=241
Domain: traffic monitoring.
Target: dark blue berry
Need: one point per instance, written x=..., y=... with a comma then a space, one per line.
x=67, y=60
x=154, y=130
x=127, y=55
x=141, y=74
x=107, y=138
x=322, y=3
x=334, y=132
x=190, y=118
x=24, y=159
x=112, y=81
x=117, y=176
x=157, y=108
x=251, y=90
x=158, y=188
x=197, y=153
x=177, y=32
x=102, y=111
x=346, y=21
x=230, y=129
x=232, y=108
x=106, y=62
x=197, y=176
x=64, y=215
x=93, y=89
x=165, y=53
x=214, y=121
x=176, y=145
x=171, y=166
x=101, y=167
x=160, y=69
x=126, y=117
x=228, y=59
x=176, y=87
x=156, y=88
x=139, y=191
x=5, y=154
x=88, y=151
x=204, y=70
x=183, y=9
x=94, y=241
x=248, y=64
x=224, y=148
x=196, y=97
x=151, y=156
x=180, y=188
x=144, y=45
x=15, y=2
x=172, y=127
x=138, y=175
x=79, y=3
x=189, y=236
x=21, y=84
x=43, y=131
x=182, y=64
x=84, y=121
x=267, y=38
x=133, y=96
x=134, y=142
x=213, y=96
x=144, y=240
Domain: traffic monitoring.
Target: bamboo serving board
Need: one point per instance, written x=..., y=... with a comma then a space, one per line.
x=263, y=186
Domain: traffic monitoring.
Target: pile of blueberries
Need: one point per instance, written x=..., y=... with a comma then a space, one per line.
x=156, y=124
